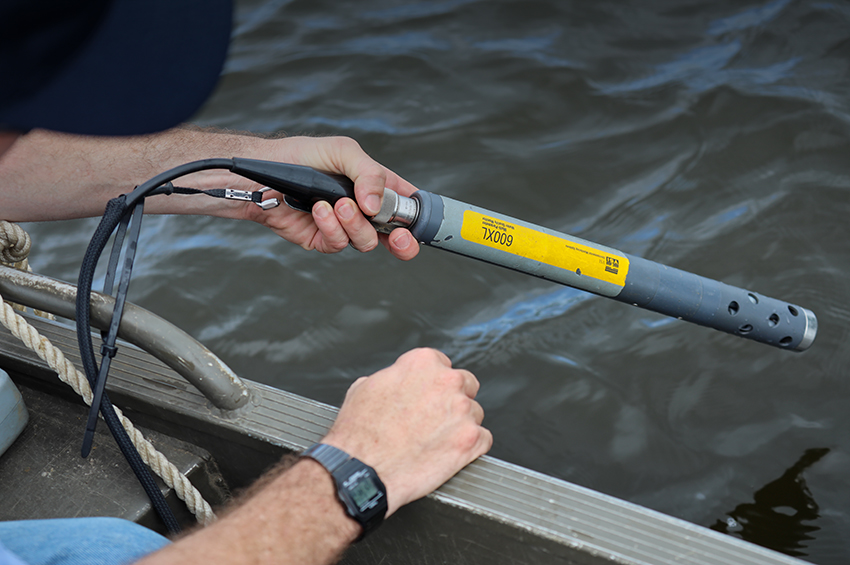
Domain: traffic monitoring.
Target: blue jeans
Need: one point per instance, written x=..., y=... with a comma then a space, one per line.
x=78, y=541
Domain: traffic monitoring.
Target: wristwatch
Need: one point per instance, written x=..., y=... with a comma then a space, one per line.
x=358, y=487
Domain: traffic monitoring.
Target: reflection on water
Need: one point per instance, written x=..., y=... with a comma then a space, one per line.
x=711, y=136
x=474, y=342
x=783, y=514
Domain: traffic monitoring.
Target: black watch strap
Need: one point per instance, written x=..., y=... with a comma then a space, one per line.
x=358, y=487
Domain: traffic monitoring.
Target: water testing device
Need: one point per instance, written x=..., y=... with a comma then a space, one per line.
x=445, y=223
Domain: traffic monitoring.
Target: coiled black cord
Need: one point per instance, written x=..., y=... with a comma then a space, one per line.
x=116, y=210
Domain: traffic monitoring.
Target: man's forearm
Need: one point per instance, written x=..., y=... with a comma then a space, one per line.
x=297, y=519
x=52, y=176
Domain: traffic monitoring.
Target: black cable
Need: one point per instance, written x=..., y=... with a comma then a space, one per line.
x=169, y=189
x=116, y=210
x=108, y=348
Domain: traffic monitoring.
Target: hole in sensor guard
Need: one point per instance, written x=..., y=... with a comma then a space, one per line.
x=773, y=320
x=753, y=298
x=785, y=341
x=746, y=328
x=733, y=307
x=793, y=310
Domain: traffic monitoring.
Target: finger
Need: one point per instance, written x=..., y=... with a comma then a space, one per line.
x=442, y=358
x=369, y=189
x=357, y=228
x=333, y=237
x=399, y=185
x=477, y=412
x=485, y=442
x=401, y=244
x=475, y=445
x=470, y=383
x=357, y=383
x=369, y=177
x=353, y=387
x=343, y=155
x=422, y=361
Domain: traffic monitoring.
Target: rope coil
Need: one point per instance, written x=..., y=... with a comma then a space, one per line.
x=15, y=243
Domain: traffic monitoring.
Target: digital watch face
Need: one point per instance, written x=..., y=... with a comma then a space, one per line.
x=358, y=487
x=362, y=489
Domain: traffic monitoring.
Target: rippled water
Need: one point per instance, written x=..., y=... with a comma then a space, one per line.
x=710, y=136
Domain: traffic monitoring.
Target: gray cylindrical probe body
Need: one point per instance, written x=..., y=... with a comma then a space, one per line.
x=717, y=305
x=495, y=238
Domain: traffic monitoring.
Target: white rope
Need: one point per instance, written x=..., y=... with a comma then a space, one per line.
x=15, y=244
x=69, y=374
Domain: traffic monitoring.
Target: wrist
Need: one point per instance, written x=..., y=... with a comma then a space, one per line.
x=385, y=464
x=358, y=488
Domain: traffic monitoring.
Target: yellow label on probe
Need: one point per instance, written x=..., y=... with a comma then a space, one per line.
x=545, y=248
